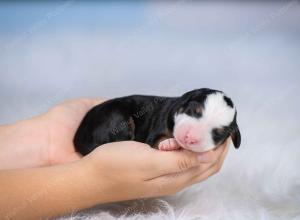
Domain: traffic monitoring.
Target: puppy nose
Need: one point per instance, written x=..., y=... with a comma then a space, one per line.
x=188, y=139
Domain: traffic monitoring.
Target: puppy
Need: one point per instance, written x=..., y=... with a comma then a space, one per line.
x=199, y=120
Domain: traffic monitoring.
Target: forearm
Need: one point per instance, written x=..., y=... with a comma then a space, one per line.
x=18, y=143
x=46, y=192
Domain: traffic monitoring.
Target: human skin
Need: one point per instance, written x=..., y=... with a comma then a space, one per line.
x=42, y=176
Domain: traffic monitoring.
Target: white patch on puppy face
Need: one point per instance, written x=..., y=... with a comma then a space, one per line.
x=196, y=133
x=217, y=111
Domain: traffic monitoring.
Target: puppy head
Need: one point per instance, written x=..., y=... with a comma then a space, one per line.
x=204, y=119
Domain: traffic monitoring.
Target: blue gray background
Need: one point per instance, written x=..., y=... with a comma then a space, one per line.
x=58, y=50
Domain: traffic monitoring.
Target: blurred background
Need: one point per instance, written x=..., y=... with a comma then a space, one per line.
x=51, y=51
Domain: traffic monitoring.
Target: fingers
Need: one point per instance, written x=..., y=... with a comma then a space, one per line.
x=216, y=167
x=87, y=103
x=217, y=156
x=65, y=158
x=93, y=101
x=172, y=183
x=210, y=156
x=168, y=145
x=167, y=162
x=72, y=157
x=204, y=170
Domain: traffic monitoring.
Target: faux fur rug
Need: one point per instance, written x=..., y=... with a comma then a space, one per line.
x=260, y=181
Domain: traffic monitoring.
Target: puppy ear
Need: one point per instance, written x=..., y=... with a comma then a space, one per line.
x=236, y=136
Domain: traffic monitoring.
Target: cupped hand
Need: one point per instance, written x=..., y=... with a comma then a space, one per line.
x=62, y=122
x=44, y=140
x=128, y=170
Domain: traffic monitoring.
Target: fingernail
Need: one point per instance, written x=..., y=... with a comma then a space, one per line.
x=204, y=157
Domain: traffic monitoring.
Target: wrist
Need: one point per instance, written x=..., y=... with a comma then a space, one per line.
x=97, y=180
x=65, y=188
x=22, y=145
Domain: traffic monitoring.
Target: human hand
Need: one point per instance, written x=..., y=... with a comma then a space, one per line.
x=114, y=172
x=46, y=139
x=129, y=170
x=62, y=122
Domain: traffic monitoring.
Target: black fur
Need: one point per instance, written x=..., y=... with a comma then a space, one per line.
x=219, y=135
x=141, y=118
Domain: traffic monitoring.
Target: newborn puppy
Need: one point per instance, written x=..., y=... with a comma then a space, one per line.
x=199, y=120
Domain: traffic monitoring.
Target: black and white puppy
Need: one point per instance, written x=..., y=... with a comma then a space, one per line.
x=199, y=120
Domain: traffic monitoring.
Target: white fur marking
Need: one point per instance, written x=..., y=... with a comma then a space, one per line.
x=217, y=111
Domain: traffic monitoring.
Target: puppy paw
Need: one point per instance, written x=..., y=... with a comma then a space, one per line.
x=168, y=144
